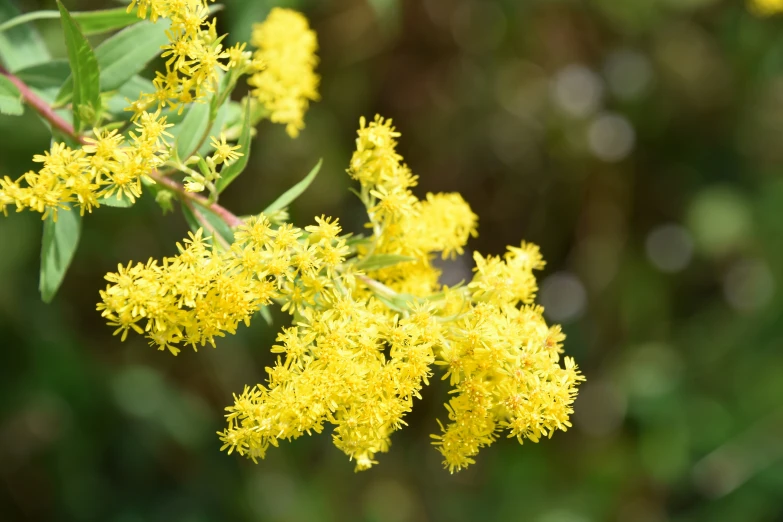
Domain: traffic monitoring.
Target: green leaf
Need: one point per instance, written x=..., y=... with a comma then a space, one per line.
x=234, y=117
x=229, y=173
x=378, y=261
x=122, y=56
x=128, y=52
x=45, y=75
x=266, y=314
x=10, y=98
x=294, y=192
x=20, y=46
x=45, y=79
x=112, y=201
x=201, y=217
x=133, y=88
x=105, y=20
x=60, y=239
x=191, y=130
x=391, y=304
x=85, y=71
x=91, y=22
x=116, y=103
x=217, y=127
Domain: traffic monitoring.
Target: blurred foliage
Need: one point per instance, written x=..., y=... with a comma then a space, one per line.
x=639, y=142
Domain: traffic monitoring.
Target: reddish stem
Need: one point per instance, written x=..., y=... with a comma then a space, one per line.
x=40, y=105
x=224, y=213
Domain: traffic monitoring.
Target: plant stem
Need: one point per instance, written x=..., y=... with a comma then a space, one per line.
x=224, y=214
x=57, y=122
x=377, y=287
x=40, y=105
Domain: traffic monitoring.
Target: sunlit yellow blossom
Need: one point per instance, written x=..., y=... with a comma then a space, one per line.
x=111, y=165
x=107, y=165
x=361, y=352
x=446, y=222
x=193, y=54
x=285, y=82
x=224, y=153
x=371, y=321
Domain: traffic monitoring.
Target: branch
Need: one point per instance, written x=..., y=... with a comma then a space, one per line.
x=40, y=105
x=225, y=214
x=57, y=121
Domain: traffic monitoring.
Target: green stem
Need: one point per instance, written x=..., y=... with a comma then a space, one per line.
x=377, y=287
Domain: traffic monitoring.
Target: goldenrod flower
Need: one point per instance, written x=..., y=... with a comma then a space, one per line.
x=371, y=320
x=224, y=153
x=193, y=55
x=362, y=348
x=111, y=165
x=285, y=82
x=106, y=166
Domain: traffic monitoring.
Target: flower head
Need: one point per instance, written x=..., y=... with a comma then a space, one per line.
x=285, y=82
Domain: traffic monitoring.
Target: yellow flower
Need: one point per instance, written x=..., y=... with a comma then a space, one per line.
x=361, y=352
x=285, y=82
x=363, y=345
x=103, y=167
x=224, y=153
x=193, y=55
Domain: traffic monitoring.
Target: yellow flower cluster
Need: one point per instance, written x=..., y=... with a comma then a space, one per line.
x=284, y=81
x=201, y=293
x=766, y=7
x=110, y=164
x=193, y=55
x=105, y=166
x=402, y=224
x=496, y=348
x=363, y=345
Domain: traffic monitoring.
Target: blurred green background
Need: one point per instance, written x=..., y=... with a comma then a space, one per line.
x=639, y=142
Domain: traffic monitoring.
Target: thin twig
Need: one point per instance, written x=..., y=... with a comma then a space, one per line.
x=40, y=105
x=224, y=214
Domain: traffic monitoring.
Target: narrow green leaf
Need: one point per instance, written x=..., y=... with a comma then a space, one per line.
x=379, y=261
x=266, y=314
x=234, y=117
x=45, y=75
x=190, y=131
x=217, y=127
x=116, y=102
x=229, y=173
x=128, y=52
x=208, y=221
x=105, y=20
x=85, y=71
x=10, y=98
x=46, y=78
x=20, y=46
x=112, y=201
x=60, y=239
x=91, y=22
x=294, y=192
x=391, y=304
x=122, y=56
